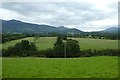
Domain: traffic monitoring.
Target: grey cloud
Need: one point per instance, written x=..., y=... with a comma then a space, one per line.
x=62, y=13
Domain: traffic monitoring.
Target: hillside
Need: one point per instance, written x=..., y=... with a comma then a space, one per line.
x=111, y=30
x=15, y=26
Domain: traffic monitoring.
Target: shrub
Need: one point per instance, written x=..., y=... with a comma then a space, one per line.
x=21, y=49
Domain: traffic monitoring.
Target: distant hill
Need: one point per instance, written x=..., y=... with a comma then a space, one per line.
x=111, y=30
x=62, y=28
x=15, y=26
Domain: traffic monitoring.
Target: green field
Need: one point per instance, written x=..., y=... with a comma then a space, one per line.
x=48, y=42
x=42, y=44
x=0, y=67
x=85, y=67
x=92, y=67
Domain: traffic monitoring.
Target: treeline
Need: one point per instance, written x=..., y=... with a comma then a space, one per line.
x=62, y=48
x=21, y=49
x=95, y=35
x=84, y=53
x=105, y=52
x=9, y=37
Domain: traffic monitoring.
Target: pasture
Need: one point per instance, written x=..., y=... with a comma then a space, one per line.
x=0, y=67
x=85, y=67
x=48, y=42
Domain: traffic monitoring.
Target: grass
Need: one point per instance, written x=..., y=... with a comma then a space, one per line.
x=0, y=67
x=42, y=44
x=48, y=42
x=90, y=67
x=97, y=44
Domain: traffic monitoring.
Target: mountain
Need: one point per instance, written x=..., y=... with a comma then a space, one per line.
x=62, y=28
x=15, y=26
x=111, y=30
x=73, y=30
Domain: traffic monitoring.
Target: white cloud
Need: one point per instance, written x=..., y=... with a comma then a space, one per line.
x=105, y=22
x=99, y=25
x=87, y=15
x=8, y=14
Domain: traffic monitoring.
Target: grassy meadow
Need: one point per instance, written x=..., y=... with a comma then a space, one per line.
x=85, y=67
x=0, y=67
x=42, y=44
x=48, y=42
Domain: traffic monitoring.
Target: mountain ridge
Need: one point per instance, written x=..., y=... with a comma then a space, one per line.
x=19, y=26
x=111, y=30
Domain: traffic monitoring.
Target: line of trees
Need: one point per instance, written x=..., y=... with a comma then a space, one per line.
x=63, y=47
x=95, y=35
x=21, y=49
x=10, y=37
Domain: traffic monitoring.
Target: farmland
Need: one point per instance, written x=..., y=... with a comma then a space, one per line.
x=91, y=67
x=48, y=42
x=0, y=67
x=82, y=67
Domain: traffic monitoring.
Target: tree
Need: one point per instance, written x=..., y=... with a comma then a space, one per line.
x=49, y=53
x=59, y=47
x=64, y=37
x=72, y=48
x=23, y=48
x=36, y=37
x=59, y=41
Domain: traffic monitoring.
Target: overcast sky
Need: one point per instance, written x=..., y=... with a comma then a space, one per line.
x=86, y=15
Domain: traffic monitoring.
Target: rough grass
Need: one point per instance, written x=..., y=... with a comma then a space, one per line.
x=92, y=67
x=48, y=42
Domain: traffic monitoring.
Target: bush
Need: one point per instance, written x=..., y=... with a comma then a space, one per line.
x=22, y=49
x=105, y=52
x=49, y=53
x=109, y=52
x=87, y=53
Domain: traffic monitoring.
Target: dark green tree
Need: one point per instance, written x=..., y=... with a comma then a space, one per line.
x=72, y=48
x=64, y=37
x=23, y=48
x=59, y=47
